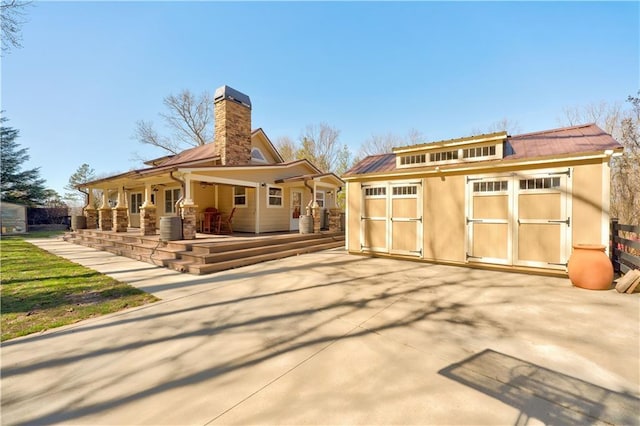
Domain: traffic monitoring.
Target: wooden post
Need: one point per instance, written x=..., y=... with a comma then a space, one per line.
x=613, y=233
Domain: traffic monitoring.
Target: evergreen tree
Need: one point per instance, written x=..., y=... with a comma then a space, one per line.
x=83, y=174
x=18, y=185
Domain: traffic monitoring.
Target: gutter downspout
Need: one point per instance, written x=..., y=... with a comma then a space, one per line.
x=313, y=198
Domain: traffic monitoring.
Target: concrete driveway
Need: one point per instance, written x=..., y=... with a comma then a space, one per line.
x=330, y=338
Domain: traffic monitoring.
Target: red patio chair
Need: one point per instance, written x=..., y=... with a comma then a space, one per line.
x=210, y=220
x=224, y=223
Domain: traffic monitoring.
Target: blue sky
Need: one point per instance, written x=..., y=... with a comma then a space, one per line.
x=89, y=70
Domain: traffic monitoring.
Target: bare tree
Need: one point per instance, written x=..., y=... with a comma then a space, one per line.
x=287, y=148
x=319, y=144
x=188, y=118
x=512, y=127
x=12, y=18
x=384, y=144
x=607, y=116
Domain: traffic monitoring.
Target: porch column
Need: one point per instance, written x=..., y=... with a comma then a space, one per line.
x=187, y=189
x=120, y=219
x=147, y=213
x=188, y=211
x=89, y=212
x=105, y=215
x=317, y=220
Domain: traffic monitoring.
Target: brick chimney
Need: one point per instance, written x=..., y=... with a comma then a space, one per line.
x=232, y=130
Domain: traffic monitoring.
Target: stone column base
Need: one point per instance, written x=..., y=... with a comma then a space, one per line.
x=334, y=220
x=120, y=219
x=317, y=220
x=92, y=217
x=105, y=219
x=189, y=212
x=148, y=220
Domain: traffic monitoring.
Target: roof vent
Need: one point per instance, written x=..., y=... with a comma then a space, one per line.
x=226, y=92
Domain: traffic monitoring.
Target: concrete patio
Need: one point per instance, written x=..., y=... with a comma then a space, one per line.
x=329, y=338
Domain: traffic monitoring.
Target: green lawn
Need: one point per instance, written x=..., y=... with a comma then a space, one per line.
x=39, y=290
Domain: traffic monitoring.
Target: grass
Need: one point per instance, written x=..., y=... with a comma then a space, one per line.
x=40, y=291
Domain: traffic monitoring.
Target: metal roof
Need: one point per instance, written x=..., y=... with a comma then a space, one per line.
x=564, y=141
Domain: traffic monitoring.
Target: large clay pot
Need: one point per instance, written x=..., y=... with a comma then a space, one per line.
x=590, y=268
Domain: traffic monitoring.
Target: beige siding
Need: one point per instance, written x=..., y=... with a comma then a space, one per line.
x=273, y=219
x=354, y=207
x=262, y=145
x=444, y=219
x=587, y=204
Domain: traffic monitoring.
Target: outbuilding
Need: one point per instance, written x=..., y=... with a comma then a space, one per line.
x=514, y=202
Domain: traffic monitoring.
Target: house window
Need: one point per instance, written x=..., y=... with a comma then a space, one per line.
x=491, y=186
x=540, y=183
x=257, y=156
x=275, y=197
x=136, y=202
x=171, y=197
x=320, y=198
x=239, y=196
x=375, y=192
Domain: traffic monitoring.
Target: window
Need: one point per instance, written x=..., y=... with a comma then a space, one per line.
x=171, y=197
x=320, y=198
x=239, y=196
x=481, y=151
x=136, y=202
x=275, y=197
x=540, y=183
x=407, y=191
x=443, y=156
x=257, y=156
x=413, y=159
x=491, y=186
x=375, y=191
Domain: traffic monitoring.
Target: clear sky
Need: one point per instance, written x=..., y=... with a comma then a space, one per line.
x=89, y=70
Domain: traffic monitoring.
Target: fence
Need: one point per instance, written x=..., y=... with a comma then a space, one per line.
x=624, y=246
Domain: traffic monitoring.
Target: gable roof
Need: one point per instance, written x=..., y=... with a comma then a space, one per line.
x=581, y=139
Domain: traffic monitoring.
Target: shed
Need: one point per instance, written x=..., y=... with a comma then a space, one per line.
x=13, y=218
x=513, y=202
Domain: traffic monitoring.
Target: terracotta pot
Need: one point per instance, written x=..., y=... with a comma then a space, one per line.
x=590, y=268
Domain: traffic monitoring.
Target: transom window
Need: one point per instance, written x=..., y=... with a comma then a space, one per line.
x=540, y=183
x=481, y=151
x=443, y=156
x=375, y=191
x=407, y=190
x=413, y=159
x=275, y=197
x=491, y=186
x=239, y=196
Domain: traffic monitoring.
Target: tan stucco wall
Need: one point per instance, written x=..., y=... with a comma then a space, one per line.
x=354, y=200
x=444, y=219
x=587, y=201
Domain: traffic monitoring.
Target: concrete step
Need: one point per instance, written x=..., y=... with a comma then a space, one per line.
x=198, y=268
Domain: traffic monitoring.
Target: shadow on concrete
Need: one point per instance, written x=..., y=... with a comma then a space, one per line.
x=566, y=400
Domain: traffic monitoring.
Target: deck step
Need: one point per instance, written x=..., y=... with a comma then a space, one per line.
x=208, y=268
x=249, y=250
x=224, y=246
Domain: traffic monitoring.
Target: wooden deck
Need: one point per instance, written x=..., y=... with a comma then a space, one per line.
x=207, y=253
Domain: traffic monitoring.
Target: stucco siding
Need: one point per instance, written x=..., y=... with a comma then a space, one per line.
x=354, y=201
x=587, y=204
x=444, y=219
